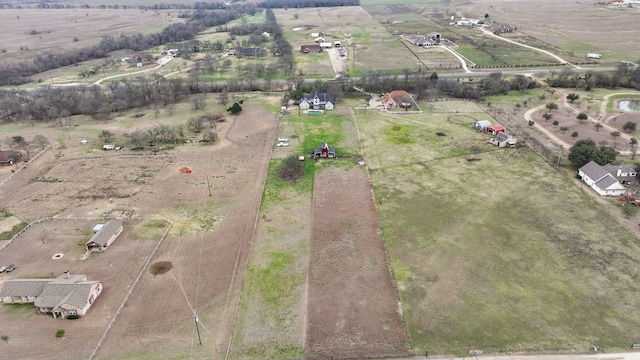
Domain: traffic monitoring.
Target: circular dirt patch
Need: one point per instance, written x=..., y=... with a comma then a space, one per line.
x=160, y=267
x=57, y=256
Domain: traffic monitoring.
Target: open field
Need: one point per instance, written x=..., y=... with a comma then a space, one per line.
x=485, y=260
x=208, y=245
x=116, y=269
x=54, y=30
x=569, y=25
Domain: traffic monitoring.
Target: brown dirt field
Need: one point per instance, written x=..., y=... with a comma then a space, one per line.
x=353, y=306
x=158, y=320
x=32, y=253
x=56, y=28
x=563, y=23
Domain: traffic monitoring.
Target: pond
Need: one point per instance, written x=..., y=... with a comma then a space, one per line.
x=629, y=105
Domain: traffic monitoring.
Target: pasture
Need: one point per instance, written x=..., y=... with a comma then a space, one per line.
x=493, y=247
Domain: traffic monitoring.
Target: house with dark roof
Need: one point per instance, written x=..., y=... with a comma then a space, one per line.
x=317, y=101
x=104, y=236
x=252, y=51
x=418, y=40
x=9, y=157
x=608, y=180
x=63, y=296
x=311, y=49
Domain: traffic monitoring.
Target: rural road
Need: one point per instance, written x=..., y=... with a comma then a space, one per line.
x=595, y=356
x=561, y=60
x=162, y=62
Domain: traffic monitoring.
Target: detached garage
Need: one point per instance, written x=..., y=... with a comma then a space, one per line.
x=104, y=236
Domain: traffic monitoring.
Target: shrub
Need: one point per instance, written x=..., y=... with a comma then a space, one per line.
x=73, y=317
x=531, y=123
x=59, y=333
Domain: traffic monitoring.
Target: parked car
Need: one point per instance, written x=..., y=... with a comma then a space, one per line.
x=3, y=268
x=10, y=268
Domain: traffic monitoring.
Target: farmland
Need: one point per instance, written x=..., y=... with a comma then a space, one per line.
x=419, y=237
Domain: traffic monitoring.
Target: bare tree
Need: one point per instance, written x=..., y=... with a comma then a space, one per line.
x=40, y=140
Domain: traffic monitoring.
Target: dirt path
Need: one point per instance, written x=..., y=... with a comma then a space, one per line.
x=353, y=307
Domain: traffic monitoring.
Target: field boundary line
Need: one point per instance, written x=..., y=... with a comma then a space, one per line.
x=253, y=234
x=25, y=165
x=132, y=288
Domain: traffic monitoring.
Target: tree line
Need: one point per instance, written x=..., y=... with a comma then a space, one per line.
x=284, y=4
x=20, y=72
x=626, y=75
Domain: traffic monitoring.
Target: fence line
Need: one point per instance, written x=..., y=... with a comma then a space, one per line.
x=133, y=286
x=25, y=165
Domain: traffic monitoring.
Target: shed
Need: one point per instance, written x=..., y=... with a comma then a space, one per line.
x=104, y=236
x=495, y=129
x=325, y=151
x=481, y=125
x=502, y=139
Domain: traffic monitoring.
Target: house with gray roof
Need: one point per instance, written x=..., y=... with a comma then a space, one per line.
x=317, y=101
x=63, y=296
x=104, y=236
x=607, y=180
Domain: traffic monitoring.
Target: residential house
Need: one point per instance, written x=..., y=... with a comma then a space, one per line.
x=142, y=58
x=9, y=157
x=252, y=51
x=63, y=296
x=418, y=40
x=313, y=49
x=104, y=236
x=397, y=99
x=502, y=28
x=317, y=101
x=606, y=180
x=502, y=139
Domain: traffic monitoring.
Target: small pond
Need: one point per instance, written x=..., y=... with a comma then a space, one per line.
x=629, y=105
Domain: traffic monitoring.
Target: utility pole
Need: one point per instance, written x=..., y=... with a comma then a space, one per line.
x=195, y=318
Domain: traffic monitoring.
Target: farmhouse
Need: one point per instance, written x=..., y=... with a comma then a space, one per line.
x=313, y=49
x=325, y=151
x=104, y=236
x=502, y=28
x=397, y=99
x=63, y=296
x=317, y=101
x=418, y=40
x=9, y=157
x=141, y=58
x=252, y=51
x=608, y=180
x=502, y=139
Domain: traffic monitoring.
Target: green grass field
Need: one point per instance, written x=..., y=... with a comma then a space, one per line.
x=502, y=252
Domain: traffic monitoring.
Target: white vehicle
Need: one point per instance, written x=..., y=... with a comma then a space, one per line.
x=283, y=140
x=2, y=269
x=281, y=144
x=108, y=147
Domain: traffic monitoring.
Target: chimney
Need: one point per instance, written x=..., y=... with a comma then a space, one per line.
x=619, y=171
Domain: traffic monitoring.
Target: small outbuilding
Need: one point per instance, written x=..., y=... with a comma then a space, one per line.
x=9, y=157
x=502, y=139
x=481, y=125
x=495, y=129
x=104, y=236
x=325, y=151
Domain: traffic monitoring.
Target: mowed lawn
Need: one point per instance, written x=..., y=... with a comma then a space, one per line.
x=501, y=253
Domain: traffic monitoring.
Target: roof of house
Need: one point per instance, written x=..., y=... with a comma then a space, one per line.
x=23, y=287
x=625, y=169
x=594, y=171
x=324, y=97
x=501, y=136
x=314, y=47
x=397, y=96
x=105, y=233
x=6, y=156
x=496, y=127
x=56, y=294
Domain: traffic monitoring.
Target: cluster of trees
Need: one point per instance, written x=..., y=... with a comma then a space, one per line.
x=284, y=4
x=20, y=143
x=586, y=150
x=46, y=5
x=626, y=76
